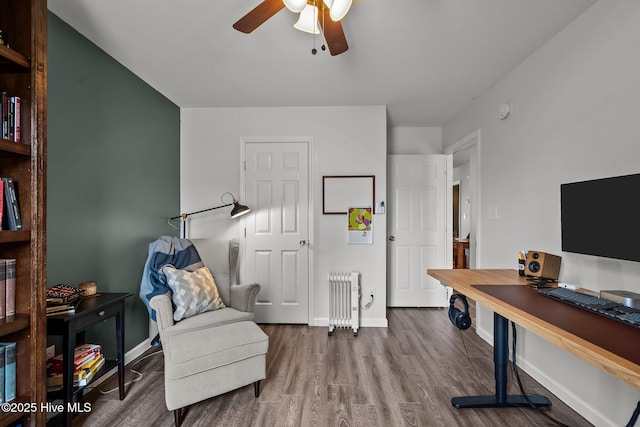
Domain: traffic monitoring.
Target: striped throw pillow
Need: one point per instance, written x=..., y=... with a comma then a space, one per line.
x=194, y=292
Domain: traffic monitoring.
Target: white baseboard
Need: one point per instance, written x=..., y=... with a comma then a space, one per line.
x=591, y=414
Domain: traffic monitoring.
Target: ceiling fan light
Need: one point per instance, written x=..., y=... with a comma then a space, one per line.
x=338, y=8
x=295, y=6
x=308, y=21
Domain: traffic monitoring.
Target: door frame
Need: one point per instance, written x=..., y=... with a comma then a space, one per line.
x=453, y=186
x=311, y=226
x=471, y=141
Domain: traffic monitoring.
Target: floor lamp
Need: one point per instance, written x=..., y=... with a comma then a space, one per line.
x=238, y=210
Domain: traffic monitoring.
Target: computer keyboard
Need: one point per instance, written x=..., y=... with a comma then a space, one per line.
x=602, y=306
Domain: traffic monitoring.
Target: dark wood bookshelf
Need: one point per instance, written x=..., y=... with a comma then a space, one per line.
x=23, y=73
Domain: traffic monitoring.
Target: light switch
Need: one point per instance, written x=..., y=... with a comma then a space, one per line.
x=492, y=213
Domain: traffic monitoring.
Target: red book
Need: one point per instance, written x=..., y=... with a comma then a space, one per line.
x=83, y=353
x=85, y=350
x=56, y=364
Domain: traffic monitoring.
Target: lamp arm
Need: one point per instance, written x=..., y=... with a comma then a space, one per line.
x=185, y=215
x=237, y=211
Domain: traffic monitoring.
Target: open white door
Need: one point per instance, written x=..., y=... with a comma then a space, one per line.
x=417, y=229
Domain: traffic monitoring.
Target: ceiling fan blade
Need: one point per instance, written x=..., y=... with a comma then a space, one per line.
x=258, y=15
x=333, y=33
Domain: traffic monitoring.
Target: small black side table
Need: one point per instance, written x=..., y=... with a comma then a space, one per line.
x=91, y=311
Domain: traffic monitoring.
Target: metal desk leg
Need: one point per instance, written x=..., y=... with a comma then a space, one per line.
x=501, y=363
x=120, y=348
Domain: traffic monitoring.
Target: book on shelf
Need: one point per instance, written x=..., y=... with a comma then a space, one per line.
x=11, y=215
x=14, y=124
x=84, y=350
x=58, y=310
x=83, y=354
x=1, y=206
x=80, y=378
x=10, y=286
x=9, y=370
x=92, y=371
x=88, y=360
x=10, y=118
x=56, y=307
x=3, y=288
x=10, y=110
x=2, y=373
x=4, y=99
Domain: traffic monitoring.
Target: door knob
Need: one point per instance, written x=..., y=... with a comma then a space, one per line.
x=303, y=242
x=392, y=238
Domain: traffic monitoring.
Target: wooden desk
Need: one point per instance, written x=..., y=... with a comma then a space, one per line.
x=592, y=344
x=90, y=311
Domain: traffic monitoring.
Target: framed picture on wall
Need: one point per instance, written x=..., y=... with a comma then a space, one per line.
x=339, y=192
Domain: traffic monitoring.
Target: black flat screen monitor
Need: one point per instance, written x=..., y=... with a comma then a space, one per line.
x=600, y=217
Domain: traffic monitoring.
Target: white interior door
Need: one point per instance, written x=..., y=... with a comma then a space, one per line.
x=417, y=229
x=277, y=230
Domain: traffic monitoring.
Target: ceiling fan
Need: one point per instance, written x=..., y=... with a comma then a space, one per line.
x=325, y=13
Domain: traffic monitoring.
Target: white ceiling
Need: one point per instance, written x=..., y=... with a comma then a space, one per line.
x=424, y=59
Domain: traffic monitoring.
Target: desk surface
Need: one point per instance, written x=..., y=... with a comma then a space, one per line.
x=604, y=343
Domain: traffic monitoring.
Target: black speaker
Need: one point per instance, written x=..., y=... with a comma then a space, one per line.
x=460, y=319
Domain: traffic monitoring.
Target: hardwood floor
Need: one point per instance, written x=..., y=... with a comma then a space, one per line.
x=403, y=375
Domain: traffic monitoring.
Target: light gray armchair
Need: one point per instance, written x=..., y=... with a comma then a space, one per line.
x=216, y=351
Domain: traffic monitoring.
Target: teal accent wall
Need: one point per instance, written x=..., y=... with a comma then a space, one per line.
x=113, y=173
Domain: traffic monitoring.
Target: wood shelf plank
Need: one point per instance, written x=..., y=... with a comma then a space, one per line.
x=10, y=325
x=15, y=147
x=7, y=236
x=13, y=56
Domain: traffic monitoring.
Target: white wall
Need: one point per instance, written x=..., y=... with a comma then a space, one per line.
x=415, y=140
x=345, y=141
x=576, y=109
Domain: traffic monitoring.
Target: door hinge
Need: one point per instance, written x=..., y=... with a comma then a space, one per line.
x=244, y=165
x=245, y=232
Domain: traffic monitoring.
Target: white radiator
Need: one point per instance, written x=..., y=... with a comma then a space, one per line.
x=344, y=301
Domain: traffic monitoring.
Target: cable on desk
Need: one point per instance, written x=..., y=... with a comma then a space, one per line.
x=514, y=365
x=634, y=417
x=464, y=344
x=516, y=375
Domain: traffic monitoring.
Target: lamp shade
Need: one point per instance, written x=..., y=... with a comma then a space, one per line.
x=308, y=21
x=295, y=6
x=239, y=210
x=338, y=8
